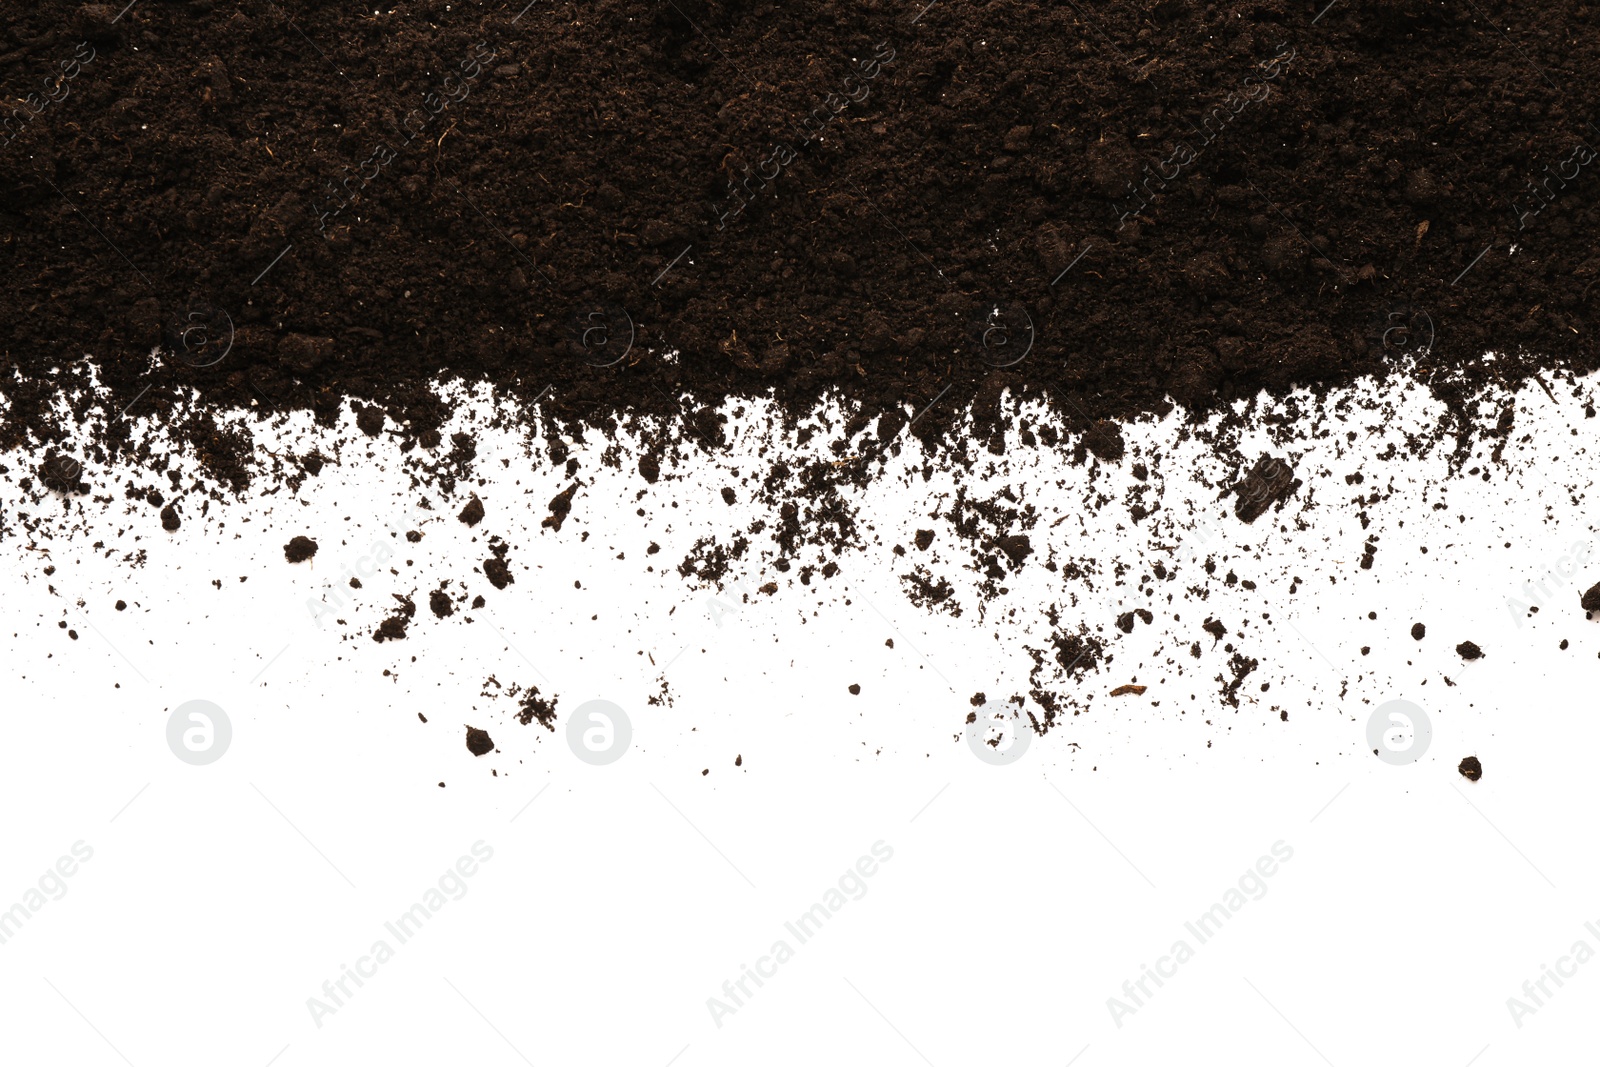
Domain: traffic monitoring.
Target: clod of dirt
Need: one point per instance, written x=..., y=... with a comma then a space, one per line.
x=1016, y=547
x=299, y=549
x=1105, y=440
x=1268, y=482
x=1591, y=599
x=728, y=496
x=924, y=539
x=169, y=518
x=63, y=474
x=1215, y=628
x=1468, y=650
x=472, y=514
x=122, y=605
x=560, y=508
x=1418, y=631
x=369, y=418
x=439, y=602
x=855, y=690
x=738, y=761
x=1471, y=769
x=536, y=707
x=479, y=741
x=394, y=627
x=495, y=568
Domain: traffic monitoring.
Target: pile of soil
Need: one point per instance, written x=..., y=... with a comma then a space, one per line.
x=299, y=203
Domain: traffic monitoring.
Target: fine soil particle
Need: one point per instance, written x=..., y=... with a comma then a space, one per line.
x=1468, y=650
x=299, y=549
x=479, y=741
x=169, y=518
x=1471, y=769
x=472, y=514
x=531, y=230
x=1418, y=631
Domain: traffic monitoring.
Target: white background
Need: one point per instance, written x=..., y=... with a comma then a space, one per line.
x=620, y=898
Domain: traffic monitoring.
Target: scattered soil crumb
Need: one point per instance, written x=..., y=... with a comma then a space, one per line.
x=478, y=741
x=299, y=549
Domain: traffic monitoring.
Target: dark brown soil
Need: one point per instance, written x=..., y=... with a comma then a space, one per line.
x=1471, y=769
x=537, y=707
x=394, y=627
x=1418, y=631
x=1469, y=650
x=299, y=549
x=1111, y=206
x=1591, y=598
x=1268, y=482
x=479, y=741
